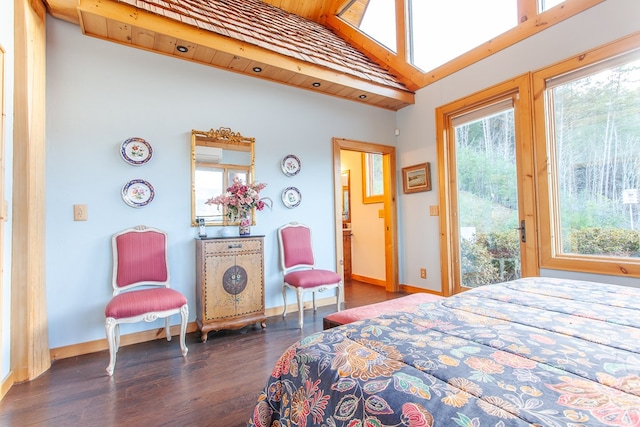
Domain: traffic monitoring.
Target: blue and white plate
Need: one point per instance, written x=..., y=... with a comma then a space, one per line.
x=136, y=151
x=291, y=165
x=291, y=197
x=138, y=193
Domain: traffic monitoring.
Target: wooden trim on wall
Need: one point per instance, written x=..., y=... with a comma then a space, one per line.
x=29, y=333
x=3, y=213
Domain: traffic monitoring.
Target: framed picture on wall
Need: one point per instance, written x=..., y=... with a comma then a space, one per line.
x=416, y=178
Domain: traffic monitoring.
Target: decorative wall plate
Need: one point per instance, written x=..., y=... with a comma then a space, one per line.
x=138, y=193
x=291, y=197
x=136, y=151
x=291, y=165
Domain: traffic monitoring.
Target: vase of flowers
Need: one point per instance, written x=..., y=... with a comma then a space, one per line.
x=239, y=201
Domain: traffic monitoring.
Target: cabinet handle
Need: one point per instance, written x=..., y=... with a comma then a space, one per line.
x=235, y=246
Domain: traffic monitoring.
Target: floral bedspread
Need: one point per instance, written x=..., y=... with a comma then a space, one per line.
x=536, y=351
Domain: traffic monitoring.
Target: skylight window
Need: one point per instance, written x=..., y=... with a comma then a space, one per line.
x=443, y=30
x=375, y=18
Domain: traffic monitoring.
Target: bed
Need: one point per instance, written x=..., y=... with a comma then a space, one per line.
x=529, y=352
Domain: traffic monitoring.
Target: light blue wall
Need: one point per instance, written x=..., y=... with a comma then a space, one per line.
x=419, y=245
x=100, y=93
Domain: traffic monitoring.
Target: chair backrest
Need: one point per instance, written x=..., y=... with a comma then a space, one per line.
x=295, y=246
x=139, y=258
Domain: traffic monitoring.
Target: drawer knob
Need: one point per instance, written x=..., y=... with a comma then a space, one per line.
x=235, y=245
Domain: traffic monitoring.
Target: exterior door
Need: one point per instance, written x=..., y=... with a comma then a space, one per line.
x=489, y=202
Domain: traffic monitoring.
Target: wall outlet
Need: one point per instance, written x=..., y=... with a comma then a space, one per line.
x=423, y=273
x=79, y=212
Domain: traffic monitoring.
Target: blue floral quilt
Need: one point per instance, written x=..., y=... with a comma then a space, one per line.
x=530, y=352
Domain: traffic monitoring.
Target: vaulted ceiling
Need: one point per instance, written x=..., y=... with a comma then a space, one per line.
x=292, y=42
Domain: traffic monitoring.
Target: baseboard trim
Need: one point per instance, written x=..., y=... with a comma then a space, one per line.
x=408, y=289
x=125, y=340
x=369, y=280
x=6, y=385
x=156, y=334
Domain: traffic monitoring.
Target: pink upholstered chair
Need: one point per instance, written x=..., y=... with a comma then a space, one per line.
x=141, y=290
x=298, y=268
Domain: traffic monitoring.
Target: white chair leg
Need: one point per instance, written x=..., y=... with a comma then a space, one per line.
x=339, y=296
x=314, y=301
x=110, y=326
x=300, y=294
x=167, y=328
x=184, y=317
x=284, y=297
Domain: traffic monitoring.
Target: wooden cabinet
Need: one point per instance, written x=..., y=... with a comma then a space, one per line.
x=229, y=283
x=346, y=253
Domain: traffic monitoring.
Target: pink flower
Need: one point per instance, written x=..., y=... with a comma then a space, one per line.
x=240, y=199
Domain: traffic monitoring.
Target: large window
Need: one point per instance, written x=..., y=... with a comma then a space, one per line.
x=425, y=40
x=443, y=30
x=588, y=121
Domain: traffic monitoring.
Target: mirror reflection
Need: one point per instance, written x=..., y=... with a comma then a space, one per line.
x=217, y=157
x=346, y=198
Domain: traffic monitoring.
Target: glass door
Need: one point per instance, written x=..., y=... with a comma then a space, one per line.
x=487, y=203
x=489, y=232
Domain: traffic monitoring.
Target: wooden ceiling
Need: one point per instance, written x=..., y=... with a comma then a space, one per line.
x=149, y=28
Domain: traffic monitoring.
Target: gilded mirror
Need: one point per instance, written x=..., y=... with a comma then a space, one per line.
x=217, y=156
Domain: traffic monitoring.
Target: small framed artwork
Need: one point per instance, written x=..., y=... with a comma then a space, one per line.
x=416, y=178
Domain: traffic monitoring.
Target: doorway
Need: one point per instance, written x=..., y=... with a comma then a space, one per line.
x=388, y=212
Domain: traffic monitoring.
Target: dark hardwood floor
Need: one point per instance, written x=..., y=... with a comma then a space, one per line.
x=153, y=385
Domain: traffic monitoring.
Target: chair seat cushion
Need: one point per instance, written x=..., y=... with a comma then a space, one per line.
x=135, y=303
x=312, y=278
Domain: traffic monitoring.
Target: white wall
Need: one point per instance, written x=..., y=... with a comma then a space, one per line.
x=100, y=93
x=6, y=41
x=417, y=141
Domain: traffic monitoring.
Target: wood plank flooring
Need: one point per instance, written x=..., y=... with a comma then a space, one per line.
x=153, y=385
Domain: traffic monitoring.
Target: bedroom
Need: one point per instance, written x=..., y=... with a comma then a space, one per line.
x=110, y=92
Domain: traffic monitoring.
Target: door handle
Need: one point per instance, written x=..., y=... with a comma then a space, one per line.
x=523, y=231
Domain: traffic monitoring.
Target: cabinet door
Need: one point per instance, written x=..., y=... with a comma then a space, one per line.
x=251, y=300
x=234, y=285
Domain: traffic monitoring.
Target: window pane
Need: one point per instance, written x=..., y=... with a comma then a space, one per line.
x=443, y=30
x=487, y=200
x=547, y=4
x=372, y=178
x=375, y=18
x=596, y=148
x=210, y=183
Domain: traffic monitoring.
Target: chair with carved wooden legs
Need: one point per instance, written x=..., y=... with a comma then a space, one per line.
x=298, y=268
x=141, y=288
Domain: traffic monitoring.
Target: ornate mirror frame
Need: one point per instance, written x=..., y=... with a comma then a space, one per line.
x=222, y=154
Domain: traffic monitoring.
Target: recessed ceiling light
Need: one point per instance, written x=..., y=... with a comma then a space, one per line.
x=257, y=69
x=182, y=49
x=362, y=96
x=315, y=84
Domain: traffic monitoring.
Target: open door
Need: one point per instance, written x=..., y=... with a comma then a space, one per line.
x=390, y=216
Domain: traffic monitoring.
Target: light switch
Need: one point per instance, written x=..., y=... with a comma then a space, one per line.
x=434, y=210
x=79, y=212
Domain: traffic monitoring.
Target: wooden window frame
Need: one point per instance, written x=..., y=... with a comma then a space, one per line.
x=367, y=180
x=550, y=256
x=530, y=22
x=517, y=89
